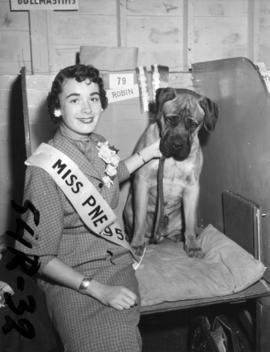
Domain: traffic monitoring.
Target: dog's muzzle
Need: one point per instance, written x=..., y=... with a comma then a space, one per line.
x=175, y=146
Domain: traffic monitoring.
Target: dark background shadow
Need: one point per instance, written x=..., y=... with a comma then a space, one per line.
x=17, y=152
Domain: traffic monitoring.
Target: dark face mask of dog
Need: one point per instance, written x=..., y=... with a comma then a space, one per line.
x=178, y=125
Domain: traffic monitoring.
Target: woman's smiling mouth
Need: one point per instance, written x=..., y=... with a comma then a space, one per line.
x=86, y=120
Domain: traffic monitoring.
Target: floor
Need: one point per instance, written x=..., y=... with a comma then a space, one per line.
x=170, y=332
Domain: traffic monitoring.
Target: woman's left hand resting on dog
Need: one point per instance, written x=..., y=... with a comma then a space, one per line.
x=143, y=156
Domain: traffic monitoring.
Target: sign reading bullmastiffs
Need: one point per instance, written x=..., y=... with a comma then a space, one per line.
x=163, y=197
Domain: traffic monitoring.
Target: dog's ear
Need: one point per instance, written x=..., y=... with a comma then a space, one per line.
x=210, y=109
x=163, y=95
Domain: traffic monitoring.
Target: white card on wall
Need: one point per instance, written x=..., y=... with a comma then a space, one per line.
x=121, y=80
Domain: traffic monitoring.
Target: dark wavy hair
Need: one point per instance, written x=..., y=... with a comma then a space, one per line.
x=80, y=72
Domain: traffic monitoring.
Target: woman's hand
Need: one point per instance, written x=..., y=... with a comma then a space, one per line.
x=118, y=297
x=141, y=157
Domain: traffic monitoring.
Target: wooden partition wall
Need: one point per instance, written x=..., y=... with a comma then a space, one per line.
x=237, y=154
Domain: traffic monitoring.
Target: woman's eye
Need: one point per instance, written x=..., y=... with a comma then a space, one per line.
x=94, y=99
x=74, y=101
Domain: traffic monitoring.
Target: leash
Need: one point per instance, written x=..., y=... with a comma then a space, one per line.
x=160, y=219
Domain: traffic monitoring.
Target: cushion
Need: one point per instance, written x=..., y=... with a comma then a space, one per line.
x=168, y=274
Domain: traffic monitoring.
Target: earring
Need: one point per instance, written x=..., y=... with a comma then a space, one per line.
x=57, y=113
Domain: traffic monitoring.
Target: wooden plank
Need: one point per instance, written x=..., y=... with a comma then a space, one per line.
x=221, y=8
x=39, y=41
x=159, y=40
x=5, y=106
x=11, y=21
x=13, y=57
x=6, y=81
x=181, y=80
x=39, y=82
x=6, y=84
x=13, y=67
x=37, y=124
x=154, y=8
x=265, y=8
x=220, y=29
x=154, y=32
x=50, y=41
x=229, y=40
x=4, y=113
x=25, y=113
x=264, y=29
x=64, y=56
x=187, y=34
x=122, y=23
x=4, y=215
x=90, y=30
x=125, y=139
x=253, y=29
x=20, y=48
x=110, y=59
x=126, y=114
x=97, y=7
x=168, y=56
x=5, y=167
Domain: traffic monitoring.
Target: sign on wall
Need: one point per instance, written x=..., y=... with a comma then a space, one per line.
x=23, y=5
x=121, y=87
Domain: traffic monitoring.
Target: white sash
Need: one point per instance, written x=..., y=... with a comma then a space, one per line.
x=92, y=208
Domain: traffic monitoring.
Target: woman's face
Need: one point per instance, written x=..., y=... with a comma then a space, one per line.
x=80, y=105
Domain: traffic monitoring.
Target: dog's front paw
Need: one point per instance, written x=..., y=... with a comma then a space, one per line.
x=193, y=248
x=176, y=238
x=158, y=238
x=195, y=252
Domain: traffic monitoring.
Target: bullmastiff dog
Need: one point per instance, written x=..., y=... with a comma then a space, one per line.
x=179, y=114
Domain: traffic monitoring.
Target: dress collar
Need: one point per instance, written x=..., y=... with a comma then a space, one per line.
x=83, y=152
x=71, y=135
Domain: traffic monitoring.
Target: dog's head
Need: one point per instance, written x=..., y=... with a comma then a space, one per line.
x=180, y=114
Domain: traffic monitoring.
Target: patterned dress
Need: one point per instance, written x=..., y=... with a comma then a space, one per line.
x=83, y=323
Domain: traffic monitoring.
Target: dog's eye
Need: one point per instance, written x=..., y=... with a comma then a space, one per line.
x=172, y=120
x=192, y=124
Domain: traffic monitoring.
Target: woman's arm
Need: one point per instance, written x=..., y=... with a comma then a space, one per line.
x=118, y=297
x=143, y=156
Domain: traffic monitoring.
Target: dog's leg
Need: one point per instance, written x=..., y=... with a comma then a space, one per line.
x=190, y=202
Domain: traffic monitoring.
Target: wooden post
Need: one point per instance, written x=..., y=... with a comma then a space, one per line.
x=253, y=29
x=121, y=23
x=187, y=33
x=41, y=41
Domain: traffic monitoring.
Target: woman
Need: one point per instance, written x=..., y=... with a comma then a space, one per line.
x=89, y=281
